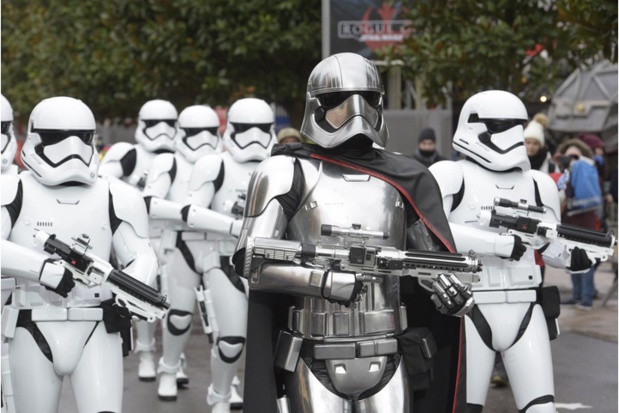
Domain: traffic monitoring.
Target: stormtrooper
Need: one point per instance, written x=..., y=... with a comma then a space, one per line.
x=157, y=127
x=57, y=328
x=9, y=142
x=9, y=148
x=341, y=337
x=512, y=315
x=175, y=181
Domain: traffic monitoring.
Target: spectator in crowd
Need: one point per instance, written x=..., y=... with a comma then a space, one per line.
x=583, y=197
x=535, y=143
x=426, y=152
x=288, y=135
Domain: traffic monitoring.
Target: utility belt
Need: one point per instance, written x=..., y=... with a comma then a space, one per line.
x=505, y=296
x=290, y=347
x=116, y=319
x=315, y=324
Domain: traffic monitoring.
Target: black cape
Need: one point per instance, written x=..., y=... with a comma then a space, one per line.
x=268, y=312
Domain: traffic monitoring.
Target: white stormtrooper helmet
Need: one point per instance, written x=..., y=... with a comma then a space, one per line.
x=250, y=133
x=344, y=99
x=197, y=132
x=60, y=147
x=157, y=124
x=9, y=142
x=491, y=131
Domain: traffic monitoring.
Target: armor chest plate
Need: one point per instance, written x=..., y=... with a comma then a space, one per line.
x=233, y=190
x=67, y=211
x=338, y=196
x=482, y=186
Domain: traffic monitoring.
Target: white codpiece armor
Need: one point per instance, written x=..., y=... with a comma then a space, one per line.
x=51, y=336
x=356, y=343
x=131, y=163
x=510, y=315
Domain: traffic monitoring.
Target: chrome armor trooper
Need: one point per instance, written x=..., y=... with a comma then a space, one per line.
x=171, y=178
x=509, y=315
x=215, y=203
x=57, y=328
x=337, y=349
x=157, y=127
x=9, y=148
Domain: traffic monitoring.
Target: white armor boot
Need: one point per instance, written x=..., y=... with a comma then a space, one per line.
x=57, y=328
x=508, y=316
x=337, y=349
x=193, y=175
x=155, y=133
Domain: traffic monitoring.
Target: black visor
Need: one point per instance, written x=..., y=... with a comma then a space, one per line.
x=244, y=127
x=5, y=127
x=496, y=125
x=51, y=137
x=331, y=100
x=194, y=131
x=152, y=122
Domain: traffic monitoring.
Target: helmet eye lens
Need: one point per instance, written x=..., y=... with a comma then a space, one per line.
x=334, y=99
x=194, y=131
x=244, y=127
x=5, y=127
x=496, y=125
x=52, y=137
x=152, y=122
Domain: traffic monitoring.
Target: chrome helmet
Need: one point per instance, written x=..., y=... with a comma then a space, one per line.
x=344, y=99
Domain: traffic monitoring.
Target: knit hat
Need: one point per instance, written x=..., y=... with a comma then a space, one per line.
x=535, y=130
x=426, y=134
x=593, y=141
x=288, y=133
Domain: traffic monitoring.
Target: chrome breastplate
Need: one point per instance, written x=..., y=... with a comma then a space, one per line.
x=338, y=196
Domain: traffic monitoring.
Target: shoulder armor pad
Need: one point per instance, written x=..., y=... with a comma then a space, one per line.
x=129, y=206
x=162, y=164
x=547, y=191
x=207, y=169
x=10, y=183
x=116, y=152
x=272, y=177
x=449, y=176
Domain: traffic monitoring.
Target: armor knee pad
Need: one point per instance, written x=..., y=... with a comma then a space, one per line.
x=179, y=321
x=230, y=348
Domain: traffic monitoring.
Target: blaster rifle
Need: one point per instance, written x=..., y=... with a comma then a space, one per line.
x=368, y=262
x=537, y=233
x=140, y=299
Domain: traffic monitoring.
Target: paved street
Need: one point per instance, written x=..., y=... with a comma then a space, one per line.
x=584, y=356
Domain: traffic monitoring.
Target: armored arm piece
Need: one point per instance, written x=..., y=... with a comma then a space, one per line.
x=141, y=300
x=118, y=161
x=204, y=219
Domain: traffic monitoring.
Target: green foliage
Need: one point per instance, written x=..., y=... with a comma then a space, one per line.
x=115, y=55
x=459, y=47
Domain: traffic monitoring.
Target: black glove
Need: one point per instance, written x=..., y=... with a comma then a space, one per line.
x=451, y=297
x=519, y=249
x=580, y=260
x=49, y=278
